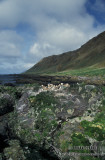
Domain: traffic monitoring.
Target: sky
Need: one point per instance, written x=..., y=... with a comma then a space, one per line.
x=33, y=29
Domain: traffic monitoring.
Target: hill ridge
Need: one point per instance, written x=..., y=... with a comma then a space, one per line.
x=89, y=54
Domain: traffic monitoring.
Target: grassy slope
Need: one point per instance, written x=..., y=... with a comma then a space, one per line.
x=87, y=60
x=84, y=72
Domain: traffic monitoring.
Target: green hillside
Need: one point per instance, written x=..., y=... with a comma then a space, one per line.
x=90, y=57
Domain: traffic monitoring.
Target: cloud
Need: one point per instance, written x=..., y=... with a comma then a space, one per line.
x=10, y=44
x=13, y=12
x=18, y=67
x=55, y=37
x=28, y=65
x=12, y=56
x=10, y=50
x=54, y=26
x=38, y=50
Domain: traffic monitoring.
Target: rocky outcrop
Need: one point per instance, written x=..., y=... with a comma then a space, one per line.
x=14, y=151
x=51, y=120
x=6, y=104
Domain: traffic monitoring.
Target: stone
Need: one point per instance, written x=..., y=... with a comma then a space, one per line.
x=43, y=124
x=6, y=104
x=70, y=111
x=77, y=101
x=23, y=104
x=14, y=151
x=89, y=87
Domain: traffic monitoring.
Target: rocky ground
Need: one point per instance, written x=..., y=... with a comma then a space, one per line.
x=46, y=122
x=56, y=79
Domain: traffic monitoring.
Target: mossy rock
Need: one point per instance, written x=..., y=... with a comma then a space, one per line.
x=6, y=104
x=14, y=151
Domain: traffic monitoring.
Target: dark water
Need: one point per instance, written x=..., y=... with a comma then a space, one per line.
x=4, y=79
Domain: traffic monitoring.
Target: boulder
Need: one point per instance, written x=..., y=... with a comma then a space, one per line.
x=14, y=151
x=89, y=87
x=6, y=104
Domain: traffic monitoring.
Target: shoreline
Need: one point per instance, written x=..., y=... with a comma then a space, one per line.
x=21, y=79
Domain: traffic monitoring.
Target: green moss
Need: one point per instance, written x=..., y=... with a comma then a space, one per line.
x=89, y=111
x=45, y=122
x=4, y=102
x=44, y=98
x=35, y=86
x=59, y=133
x=65, y=145
x=15, y=92
x=79, y=140
x=14, y=151
x=103, y=90
x=94, y=129
x=103, y=102
x=44, y=111
x=38, y=136
x=89, y=158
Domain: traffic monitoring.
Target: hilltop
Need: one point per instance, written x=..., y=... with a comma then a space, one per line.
x=88, y=57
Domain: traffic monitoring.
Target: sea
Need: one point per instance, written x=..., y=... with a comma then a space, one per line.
x=6, y=78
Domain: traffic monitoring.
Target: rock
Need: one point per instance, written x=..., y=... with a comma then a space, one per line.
x=9, y=84
x=78, y=111
x=6, y=104
x=3, y=125
x=23, y=104
x=14, y=151
x=50, y=117
x=59, y=94
x=1, y=156
x=77, y=101
x=52, y=87
x=80, y=89
x=70, y=111
x=24, y=119
x=67, y=85
x=89, y=87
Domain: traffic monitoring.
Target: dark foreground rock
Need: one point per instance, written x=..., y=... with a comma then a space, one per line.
x=48, y=121
x=6, y=104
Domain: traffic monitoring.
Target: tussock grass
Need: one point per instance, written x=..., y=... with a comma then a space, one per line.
x=84, y=72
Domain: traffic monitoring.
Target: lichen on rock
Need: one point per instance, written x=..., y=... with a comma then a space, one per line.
x=54, y=118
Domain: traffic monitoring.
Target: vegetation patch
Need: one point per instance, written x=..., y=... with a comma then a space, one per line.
x=43, y=100
x=44, y=112
x=90, y=71
x=96, y=128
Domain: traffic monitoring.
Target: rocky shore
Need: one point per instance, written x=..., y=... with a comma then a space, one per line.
x=45, y=79
x=45, y=122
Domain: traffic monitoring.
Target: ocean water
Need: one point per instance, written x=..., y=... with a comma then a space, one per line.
x=8, y=79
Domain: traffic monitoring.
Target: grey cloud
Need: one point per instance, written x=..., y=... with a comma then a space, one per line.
x=9, y=50
x=17, y=67
x=58, y=26
x=13, y=12
x=10, y=44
